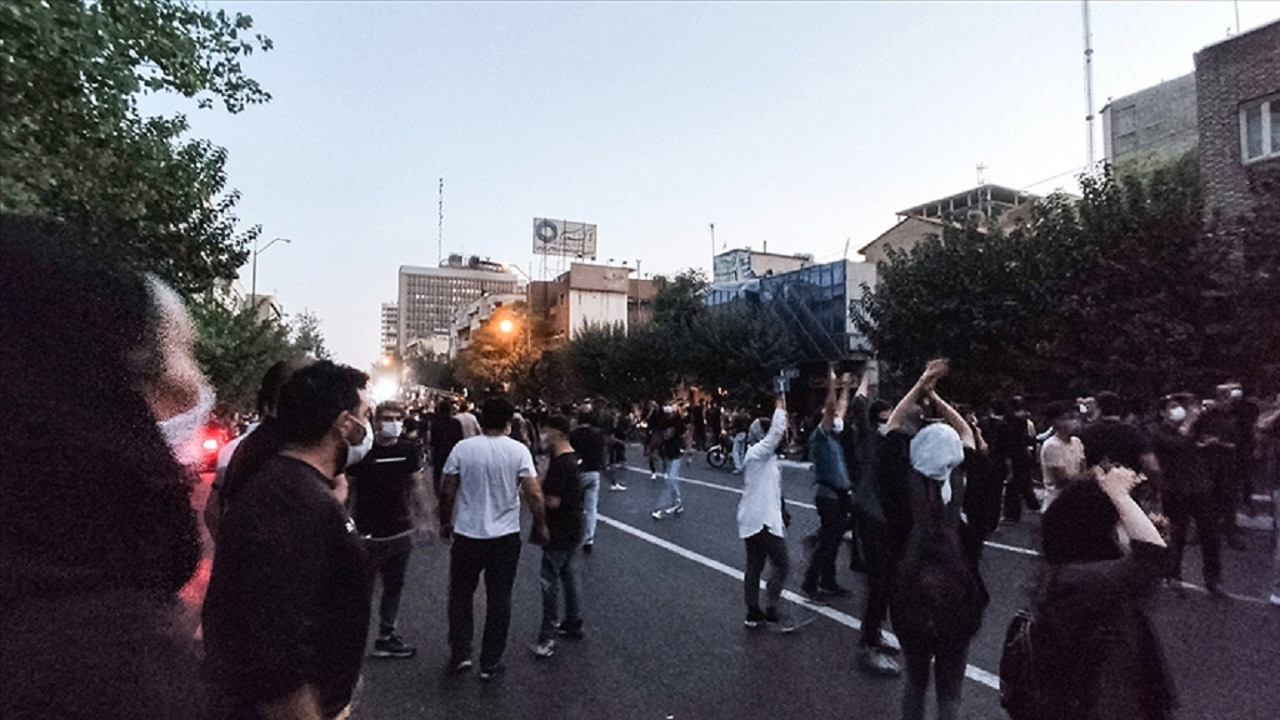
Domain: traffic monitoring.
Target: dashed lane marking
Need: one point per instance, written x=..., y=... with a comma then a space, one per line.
x=972, y=672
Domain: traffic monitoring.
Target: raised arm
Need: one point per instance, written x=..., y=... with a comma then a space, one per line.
x=932, y=372
x=953, y=418
x=830, y=406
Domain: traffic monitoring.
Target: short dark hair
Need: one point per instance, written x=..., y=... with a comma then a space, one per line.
x=1080, y=526
x=495, y=413
x=444, y=407
x=1062, y=408
x=877, y=407
x=1109, y=404
x=558, y=423
x=274, y=379
x=314, y=397
x=588, y=416
x=999, y=407
x=391, y=405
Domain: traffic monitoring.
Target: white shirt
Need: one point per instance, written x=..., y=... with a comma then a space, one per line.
x=490, y=468
x=224, y=455
x=761, y=503
x=470, y=425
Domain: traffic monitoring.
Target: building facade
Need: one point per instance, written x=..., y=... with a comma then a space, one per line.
x=591, y=295
x=429, y=297
x=814, y=301
x=471, y=317
x=1238, y=118
x=1152, y=127
x=744, y=263
x=390, y=328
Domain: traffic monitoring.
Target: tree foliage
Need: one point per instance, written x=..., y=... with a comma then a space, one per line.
x=235, y=348
x=306, y=337
x=1122, y=289
x=78, y=149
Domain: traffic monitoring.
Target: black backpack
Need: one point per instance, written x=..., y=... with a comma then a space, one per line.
x=937, y=597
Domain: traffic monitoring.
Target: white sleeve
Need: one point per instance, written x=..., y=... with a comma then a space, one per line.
x=527, y=468
x=452, y=463
x=769, y=444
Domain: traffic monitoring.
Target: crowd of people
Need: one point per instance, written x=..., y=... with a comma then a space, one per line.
x=322, y=501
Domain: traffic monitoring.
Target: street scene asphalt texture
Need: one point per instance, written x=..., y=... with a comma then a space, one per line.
x=665, y=637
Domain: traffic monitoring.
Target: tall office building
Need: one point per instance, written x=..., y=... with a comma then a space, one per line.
x=430, y=296
x=390, y=328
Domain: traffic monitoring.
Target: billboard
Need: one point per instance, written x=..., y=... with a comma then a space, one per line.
x=564, y=237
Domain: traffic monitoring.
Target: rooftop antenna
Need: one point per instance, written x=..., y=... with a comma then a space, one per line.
x=713, y=244
x=1237, y=4
x=440, y=226
x=982, y=180
x=1088, y=83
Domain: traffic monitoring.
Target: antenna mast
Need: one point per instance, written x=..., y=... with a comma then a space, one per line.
x=440, y=226
x=1088, y=83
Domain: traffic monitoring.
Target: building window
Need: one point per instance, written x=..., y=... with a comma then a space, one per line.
x=1260, y=129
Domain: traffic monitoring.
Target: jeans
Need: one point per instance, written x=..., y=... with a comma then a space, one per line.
x=557, y=572
x=761, y=547
x=590, y=482
x=497, y=558
x=670, y=496
x=948, y=671
x=739, y=450
x=833, y=514
x=1181, y=509
x=389, y=560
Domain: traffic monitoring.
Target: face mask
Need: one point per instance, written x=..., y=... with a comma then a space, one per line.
x=882, y=428
x=838, y=425
x=180, y=430
x=391, y=428
x=1178, y=414
x=356, y=453
x=1084, y=409
x=1237, y=393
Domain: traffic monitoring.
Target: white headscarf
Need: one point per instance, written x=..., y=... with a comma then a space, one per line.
x=935, y=452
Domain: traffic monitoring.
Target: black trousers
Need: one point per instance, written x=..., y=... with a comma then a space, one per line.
x=1019, y=490
x=497, y=559
x=882, y=553
x=833, y=516
x=1182, y=509
x=761, y=547
x=390, y=559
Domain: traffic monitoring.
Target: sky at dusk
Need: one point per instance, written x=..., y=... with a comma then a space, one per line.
x=805, y=126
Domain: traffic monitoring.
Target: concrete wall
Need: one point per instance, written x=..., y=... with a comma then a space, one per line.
x=596, y=307
x=1229, y=73
x=1151, y=127
x=903, y=236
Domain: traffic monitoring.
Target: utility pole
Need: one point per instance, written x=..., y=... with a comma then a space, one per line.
x=440, y=226
x=1088, y=83
x=713, y=247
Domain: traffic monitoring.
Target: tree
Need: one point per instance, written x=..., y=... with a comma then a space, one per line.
x=502, y=352
x=235, y=348
x=77, y=148
x=679, y=299
x=306, y=337
x=739, y=348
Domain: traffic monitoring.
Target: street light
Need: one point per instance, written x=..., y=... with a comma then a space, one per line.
x=253, y=291
x=506, y=326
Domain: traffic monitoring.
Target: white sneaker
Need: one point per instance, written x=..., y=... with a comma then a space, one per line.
x=1275, y=599
x=653, y=476
x=617, y=487
x=658, y=514
x=544, y=649
x=677, y=509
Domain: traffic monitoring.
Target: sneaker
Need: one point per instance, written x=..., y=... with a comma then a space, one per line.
x=676, y=509
x=572, y=631
x=658, y=514
x=653, y=476
x=876, y=661
x=617, y=487
x=755, y=618
x=543, y=649
x=778, y=622
x=1275, y=599
x=458, y=667
x=586, y=548
x=811, y=594
x=392, y=646
x=834, y=590
x=492, y=673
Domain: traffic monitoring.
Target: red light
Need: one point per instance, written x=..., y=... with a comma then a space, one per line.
x=211, y=444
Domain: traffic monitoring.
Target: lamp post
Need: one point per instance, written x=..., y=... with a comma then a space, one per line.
x=253, y=291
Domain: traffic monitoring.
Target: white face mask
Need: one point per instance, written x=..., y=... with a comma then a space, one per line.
x=356, y=453
x=838, y=425
x=1084, y=409
x=882, y=428
x=1178, y=414
x=391, y=428
x=180, y=430
x=1237, y=393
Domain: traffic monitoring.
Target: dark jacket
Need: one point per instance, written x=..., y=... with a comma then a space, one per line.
x=1100, y=657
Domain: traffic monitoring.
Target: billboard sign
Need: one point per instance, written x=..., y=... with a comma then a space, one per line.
x=564, y=237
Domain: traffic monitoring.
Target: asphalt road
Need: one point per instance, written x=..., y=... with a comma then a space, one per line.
x=663, y=608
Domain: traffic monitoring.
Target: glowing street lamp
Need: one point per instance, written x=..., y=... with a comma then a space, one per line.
x=506, y=326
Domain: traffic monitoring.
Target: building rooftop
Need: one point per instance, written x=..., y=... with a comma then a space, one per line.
x=972, y=199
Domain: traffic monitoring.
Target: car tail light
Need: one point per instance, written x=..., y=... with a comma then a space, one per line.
x=211, y=444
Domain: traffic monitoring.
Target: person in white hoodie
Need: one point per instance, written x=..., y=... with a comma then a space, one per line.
x=761, y=522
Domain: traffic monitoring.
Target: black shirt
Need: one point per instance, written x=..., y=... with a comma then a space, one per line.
x=588, y=443
x=1123, y=443
x=1180, y=462
x=288, y=599
x=381, y=483
x=564, y=523
x=673, y=430
x=446, y=431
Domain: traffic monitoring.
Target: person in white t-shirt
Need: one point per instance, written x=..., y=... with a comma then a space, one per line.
x=470, y=425
x=1062, y=455
x=761, y=519
x=484, y=479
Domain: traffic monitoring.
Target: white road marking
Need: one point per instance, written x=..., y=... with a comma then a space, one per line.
x=972, y=672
